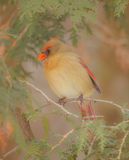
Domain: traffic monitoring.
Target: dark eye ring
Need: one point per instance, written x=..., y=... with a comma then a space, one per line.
x=46, y=52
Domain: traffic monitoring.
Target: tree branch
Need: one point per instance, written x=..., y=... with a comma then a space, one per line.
x=123, y=110
x=121, y=145
x=62, y=140
x=49, y=99
x=20, y=36
x=9, y=152
x=110, y=102
x=91, y=145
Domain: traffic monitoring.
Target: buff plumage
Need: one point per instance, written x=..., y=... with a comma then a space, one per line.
x=66, y=74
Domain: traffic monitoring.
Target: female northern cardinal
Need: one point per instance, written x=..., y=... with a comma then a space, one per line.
x=67, y=75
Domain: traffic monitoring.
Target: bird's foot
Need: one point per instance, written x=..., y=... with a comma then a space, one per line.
x=80, y=98
x=62, y=101
x=82, y=106
x=89, y=112
x=86, y=109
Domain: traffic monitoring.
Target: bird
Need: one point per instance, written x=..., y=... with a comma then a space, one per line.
x=67, y=75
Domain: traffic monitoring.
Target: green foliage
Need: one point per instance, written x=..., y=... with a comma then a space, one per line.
x=58, y=8
x=11, y=90
x=120, y=6
x=102, y=136
x=82, y=138
x=37, y=150
x=96, y=141
x=48, y=16
x=117, y=8
x=18, y=135
x=70, y=153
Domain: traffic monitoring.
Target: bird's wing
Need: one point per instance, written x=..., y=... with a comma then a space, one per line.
x=92, y=77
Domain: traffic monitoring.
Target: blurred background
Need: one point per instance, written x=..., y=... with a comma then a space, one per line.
x=102, y=42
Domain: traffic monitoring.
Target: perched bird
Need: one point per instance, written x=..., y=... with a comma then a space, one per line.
x=67, y=75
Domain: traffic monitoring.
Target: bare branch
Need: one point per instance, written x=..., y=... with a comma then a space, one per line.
x=18, y=39
x=112, y=103
x=92, y=117
x=9, y=152
x=91, y=146
x=49, y=99
x=20, y=36
x=122, y=144
x=123, y=110
x=62, y=140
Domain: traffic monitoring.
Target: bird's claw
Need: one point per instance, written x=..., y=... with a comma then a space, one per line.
x=80, y=98
x=62, y=101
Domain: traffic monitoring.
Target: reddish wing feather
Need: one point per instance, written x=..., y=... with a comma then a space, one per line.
x=89, y=71
x=92, y=77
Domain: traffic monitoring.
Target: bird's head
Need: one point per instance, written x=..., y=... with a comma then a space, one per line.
x=49, y=48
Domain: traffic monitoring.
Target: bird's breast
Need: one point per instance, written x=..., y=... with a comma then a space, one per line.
x=67, y=77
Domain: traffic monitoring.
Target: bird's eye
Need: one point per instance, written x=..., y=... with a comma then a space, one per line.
x=46, y=52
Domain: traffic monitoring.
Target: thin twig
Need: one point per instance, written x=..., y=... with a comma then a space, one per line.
x=91, y=117
x=112, y=103
x=102, y=101
x=9, y=152
x=122, y=144
x=18, y=39
x=115, y=126
x=91, y=146
x=49, y=99
x=20, y=36
x=62, y=140
x=73, y=100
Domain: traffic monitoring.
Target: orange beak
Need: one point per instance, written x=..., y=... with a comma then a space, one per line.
x=42, y=56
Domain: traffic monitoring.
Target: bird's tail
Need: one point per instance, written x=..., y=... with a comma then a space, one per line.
x=87, y=111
